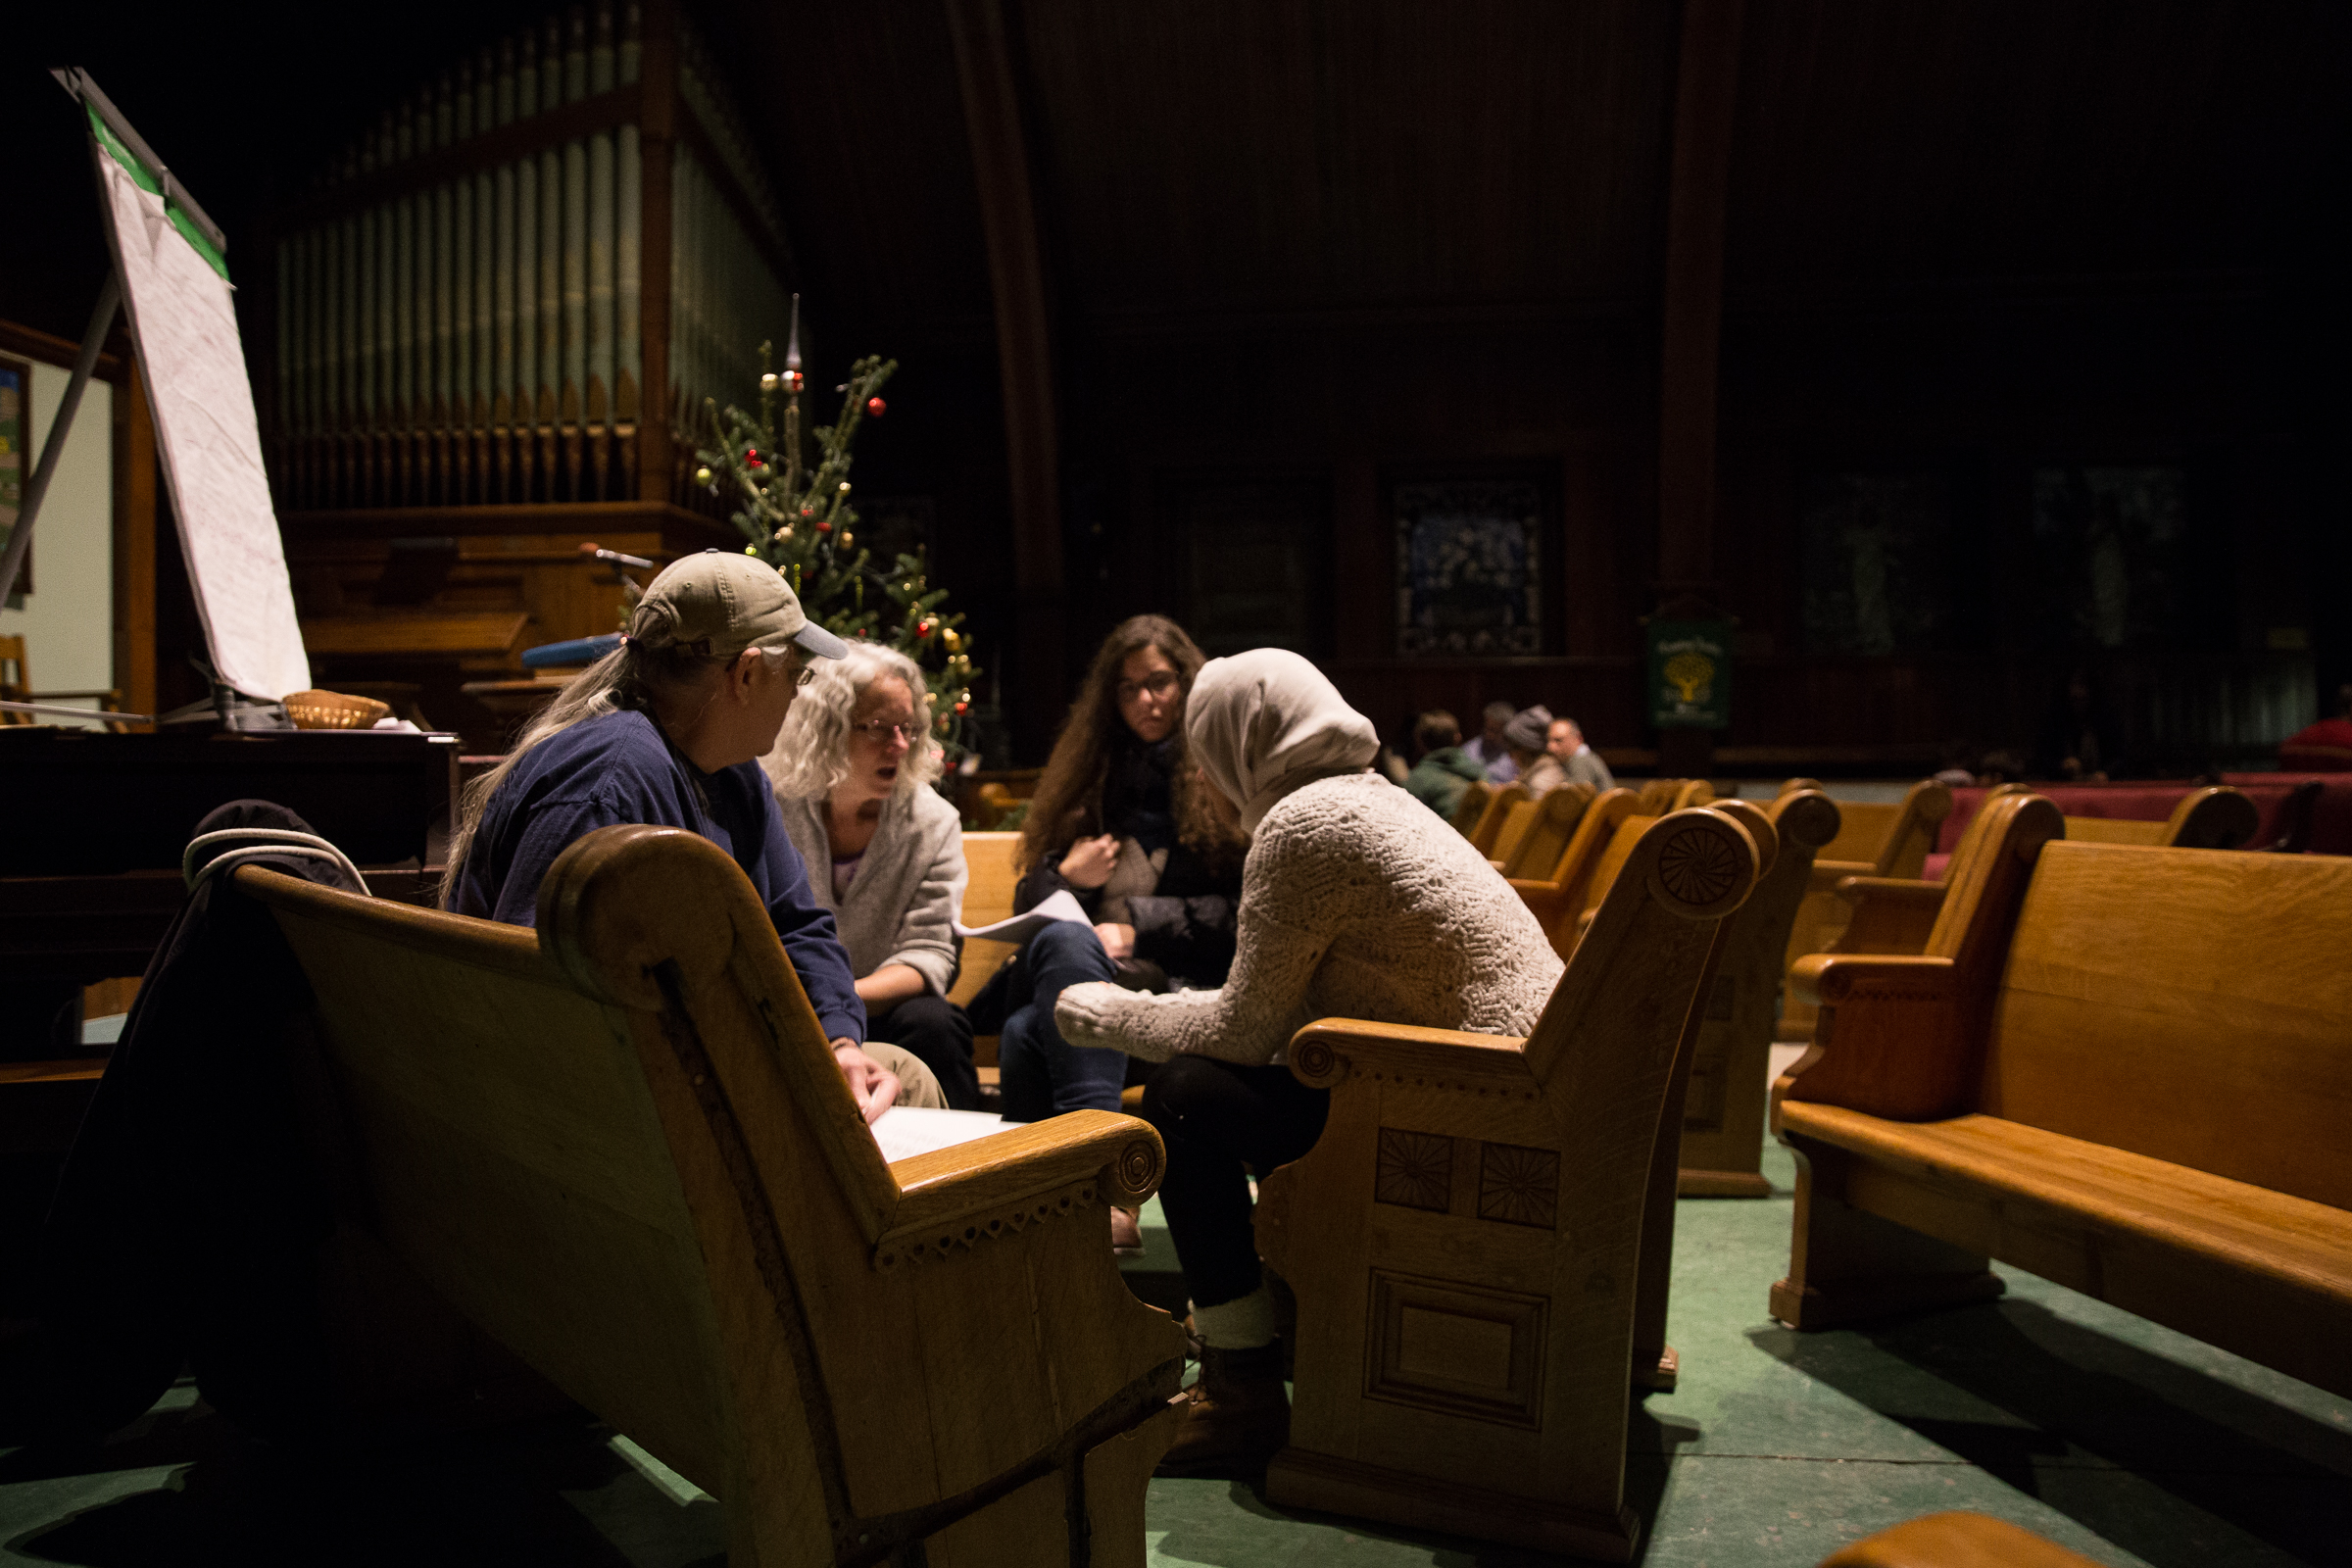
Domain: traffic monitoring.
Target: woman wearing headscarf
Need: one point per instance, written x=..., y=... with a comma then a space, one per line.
x=1356, y=901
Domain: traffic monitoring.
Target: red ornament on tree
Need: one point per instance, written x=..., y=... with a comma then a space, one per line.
x=922, y=629
x=822, y=528
x=874, y=408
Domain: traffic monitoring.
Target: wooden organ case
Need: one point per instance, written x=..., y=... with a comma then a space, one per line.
x=495, y=323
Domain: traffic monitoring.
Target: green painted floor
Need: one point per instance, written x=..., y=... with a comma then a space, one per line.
x=2126, y=1441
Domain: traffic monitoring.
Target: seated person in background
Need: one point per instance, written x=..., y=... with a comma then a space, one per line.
x=668, y=730
x=2083, y=737
x=1441, y=770
x=1490, y=751
x=1356, y=902
x=1564, y=740
x=852, y=768
x=1122, y=822
x=2324, y=747
x=2000, y=768
x=1528, y=734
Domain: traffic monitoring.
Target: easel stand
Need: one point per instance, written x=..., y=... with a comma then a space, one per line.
x=20, y=542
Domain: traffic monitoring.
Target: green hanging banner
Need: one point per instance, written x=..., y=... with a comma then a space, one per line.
x=1689, y=674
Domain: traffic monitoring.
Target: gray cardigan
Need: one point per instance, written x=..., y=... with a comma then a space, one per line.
x=909, y=890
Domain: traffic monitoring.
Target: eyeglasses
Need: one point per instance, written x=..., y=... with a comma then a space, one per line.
x=881, y=731
x=1159, y=683
x=780, y=659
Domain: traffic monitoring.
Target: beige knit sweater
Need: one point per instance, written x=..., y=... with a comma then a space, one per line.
x=1356, y=903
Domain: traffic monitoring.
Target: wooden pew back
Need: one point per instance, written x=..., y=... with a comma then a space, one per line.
x=1550, y=829
x=1516, y=825
x=1499, y=811
x=1873, y=840
x=987, y=899
x=1557, y=899
x=2216, y=817
x=1465, y=1238
x=517, y=1157
x=622, y=1147
x=1892, y=839
x=1471, y=808
x=2192, y=1005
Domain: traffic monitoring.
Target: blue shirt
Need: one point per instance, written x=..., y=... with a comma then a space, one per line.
x=617, y=767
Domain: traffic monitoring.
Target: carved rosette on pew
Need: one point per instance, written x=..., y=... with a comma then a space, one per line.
x=1465, y=1240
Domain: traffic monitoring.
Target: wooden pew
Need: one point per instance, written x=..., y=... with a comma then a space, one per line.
x=1471, y=808
x=1517, y=823
x=1873, y=840
x=2216, y=817
x=2125, y=1070
x=1563, y=889
x=1692, y=792
x=1499, y=810
x=1722, y=1112
x=1551, y=827
x=620, y=1146
x=1464, y=1240
x=1894, y=915
x=988, y=892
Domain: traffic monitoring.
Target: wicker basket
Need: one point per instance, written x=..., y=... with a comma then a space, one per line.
x=334, y=710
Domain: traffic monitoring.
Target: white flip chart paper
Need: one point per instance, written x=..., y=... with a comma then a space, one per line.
x=186, y=329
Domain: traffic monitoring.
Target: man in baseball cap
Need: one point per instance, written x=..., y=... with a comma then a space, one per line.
x=718, y=605
x=668, y=729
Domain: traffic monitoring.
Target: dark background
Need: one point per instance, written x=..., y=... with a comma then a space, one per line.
x=1296, y=252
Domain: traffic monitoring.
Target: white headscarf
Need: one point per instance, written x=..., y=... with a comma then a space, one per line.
x=1261, y=723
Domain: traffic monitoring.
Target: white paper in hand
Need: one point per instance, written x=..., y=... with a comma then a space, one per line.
x=905, y=1131
x=1021, y=927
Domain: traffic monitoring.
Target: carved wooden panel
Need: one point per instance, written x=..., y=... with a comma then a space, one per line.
x=1518, y=1185
x=1415, y=1170
x=1457, y=1348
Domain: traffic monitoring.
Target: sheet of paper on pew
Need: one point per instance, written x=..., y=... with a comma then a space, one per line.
x=1021, y=927
x=905, y=1131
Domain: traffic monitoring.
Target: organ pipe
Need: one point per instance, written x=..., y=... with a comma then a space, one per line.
x=461, y=304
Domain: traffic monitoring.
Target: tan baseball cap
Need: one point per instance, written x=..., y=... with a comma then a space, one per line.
x=726, y=603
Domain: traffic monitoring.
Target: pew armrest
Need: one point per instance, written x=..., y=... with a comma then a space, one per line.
x=999, y=1182
x=1885, y=1044
x=1891, y=913
x=1826, y=874
x=1839, y=979
x=1543, y=900
x=1323, y=1053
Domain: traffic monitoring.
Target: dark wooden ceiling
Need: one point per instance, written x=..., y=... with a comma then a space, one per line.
x=1236, y=159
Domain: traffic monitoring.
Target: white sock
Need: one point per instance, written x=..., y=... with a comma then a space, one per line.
x=1240, y=1324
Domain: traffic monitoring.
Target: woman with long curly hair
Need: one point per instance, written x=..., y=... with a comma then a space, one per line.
x=1122, y=822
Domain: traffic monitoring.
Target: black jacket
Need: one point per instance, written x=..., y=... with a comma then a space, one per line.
x=190, y=1213
x=1185, y=925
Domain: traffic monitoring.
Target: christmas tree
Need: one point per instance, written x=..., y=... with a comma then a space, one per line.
x=798, y=516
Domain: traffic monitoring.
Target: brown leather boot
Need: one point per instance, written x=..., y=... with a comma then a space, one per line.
x=1235, y=1416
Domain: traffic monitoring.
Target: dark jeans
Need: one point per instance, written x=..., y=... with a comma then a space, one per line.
x=1042, y=1074
x=939, y=1034
x=1217, y=1119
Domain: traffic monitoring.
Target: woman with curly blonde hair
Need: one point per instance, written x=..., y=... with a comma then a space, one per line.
x=852, y=768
